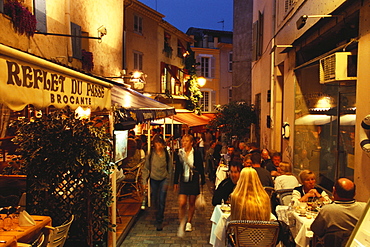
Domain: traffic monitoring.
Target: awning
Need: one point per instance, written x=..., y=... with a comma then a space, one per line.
x=140, y=107
x=321, y=119
x=192, y=119
x=27, y=79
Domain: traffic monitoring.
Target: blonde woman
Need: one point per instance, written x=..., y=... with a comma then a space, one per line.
x=308, y=189
x=189, y=167
x=286, y=180
x=249, y=201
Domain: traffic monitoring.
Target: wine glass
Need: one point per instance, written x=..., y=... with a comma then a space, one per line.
x=302, y=208
x=8, y=221
x=1, y=220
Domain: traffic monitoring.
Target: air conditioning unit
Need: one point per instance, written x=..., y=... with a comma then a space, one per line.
x=339, y=66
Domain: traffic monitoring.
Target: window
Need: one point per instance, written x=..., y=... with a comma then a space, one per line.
x=138, y=61
x=204, y=66
x=205, y=101
x=40, y=14
x=257, y=40
x=1, y=6
x=76, y=42
x=180, y=49
x=208, y=101
x=230, y=61
x=289, y=5
x=138, y=24
x=167, y=49
x=171, y=78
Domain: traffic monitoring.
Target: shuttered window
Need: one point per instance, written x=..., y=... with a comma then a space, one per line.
x=76, y=42
x=138, y=24
x=40, y=14
x=138, y=61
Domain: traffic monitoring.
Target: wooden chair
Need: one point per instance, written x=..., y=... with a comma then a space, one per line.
x=252, y=233
x=59, y=234
x=39, y=242
x=132, y=179
x=284, y=196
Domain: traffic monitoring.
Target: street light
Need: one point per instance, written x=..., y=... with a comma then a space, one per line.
x=201, y=81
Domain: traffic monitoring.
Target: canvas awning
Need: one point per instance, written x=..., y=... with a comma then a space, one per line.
x=192, y=119
x=140, y=107
x=27, y=79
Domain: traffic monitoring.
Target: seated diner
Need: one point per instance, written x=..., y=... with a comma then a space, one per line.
x=308, y=190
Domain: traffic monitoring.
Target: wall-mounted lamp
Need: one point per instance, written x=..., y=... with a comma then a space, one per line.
x=302, y=20
x=201, y=81
x=101, y=32
x=286, y=48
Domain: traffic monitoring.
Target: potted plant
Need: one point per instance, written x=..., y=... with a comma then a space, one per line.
x=68, y=163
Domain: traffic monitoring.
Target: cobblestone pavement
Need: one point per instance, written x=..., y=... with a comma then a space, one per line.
x=144, y=233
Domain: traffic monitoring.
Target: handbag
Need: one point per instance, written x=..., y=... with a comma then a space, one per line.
x=200, y=202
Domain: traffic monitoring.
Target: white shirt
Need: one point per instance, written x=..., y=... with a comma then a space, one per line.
x=286, y=182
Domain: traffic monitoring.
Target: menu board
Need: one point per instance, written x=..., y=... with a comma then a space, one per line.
x=361, y=234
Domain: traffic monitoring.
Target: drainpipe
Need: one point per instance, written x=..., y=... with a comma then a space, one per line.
x=68, y=24
x=272, y=94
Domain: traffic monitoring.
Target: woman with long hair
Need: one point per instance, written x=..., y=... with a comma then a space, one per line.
x=188, y=169
x=249, y=200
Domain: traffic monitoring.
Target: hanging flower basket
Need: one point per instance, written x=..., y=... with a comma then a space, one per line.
x=24, y=22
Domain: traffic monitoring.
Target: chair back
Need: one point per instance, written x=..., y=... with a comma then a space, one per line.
x=269, y=190
x=59, y=234
x=253, y=233
x=284, y=196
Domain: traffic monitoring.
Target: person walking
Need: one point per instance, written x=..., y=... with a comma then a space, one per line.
x=188, y=169
x=158, y=167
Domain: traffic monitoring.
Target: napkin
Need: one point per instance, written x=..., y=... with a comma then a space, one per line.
x=25, y=219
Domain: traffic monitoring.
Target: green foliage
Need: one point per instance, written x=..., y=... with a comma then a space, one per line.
x=192, y=91
x=68, y=162
x=234, y=119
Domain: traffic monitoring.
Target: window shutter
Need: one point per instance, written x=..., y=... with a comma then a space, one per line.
x=212, y=67
x=40, y=13
x=1, y=6
x=76, y=42
x=213, y=100
x=254, y=40
x=198, y=68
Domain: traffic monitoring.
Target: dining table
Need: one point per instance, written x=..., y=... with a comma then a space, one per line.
x=299, y=224
x=23, y=234
x=218, y=219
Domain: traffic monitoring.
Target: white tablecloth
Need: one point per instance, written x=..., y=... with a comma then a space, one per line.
x=218, y=219
x=221, y=174
x=300, y=226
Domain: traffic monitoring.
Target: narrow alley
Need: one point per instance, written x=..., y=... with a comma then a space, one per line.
x=144, y=233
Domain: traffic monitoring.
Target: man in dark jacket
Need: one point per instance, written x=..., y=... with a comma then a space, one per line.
x=226, y=187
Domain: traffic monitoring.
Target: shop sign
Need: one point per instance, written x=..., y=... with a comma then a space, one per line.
x=22, y=84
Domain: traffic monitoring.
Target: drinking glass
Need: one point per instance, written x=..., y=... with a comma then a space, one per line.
x=302, y=208
x=8, y=221
x=1, y=220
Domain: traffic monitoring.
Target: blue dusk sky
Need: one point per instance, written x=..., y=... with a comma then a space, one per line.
x=183, y=14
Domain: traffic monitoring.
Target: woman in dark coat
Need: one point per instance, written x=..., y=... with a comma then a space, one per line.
x=189, y=167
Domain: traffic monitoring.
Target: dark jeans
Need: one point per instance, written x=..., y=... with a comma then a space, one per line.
x=158, y=195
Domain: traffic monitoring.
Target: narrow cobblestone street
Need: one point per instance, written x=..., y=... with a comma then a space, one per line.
x=144, y=232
